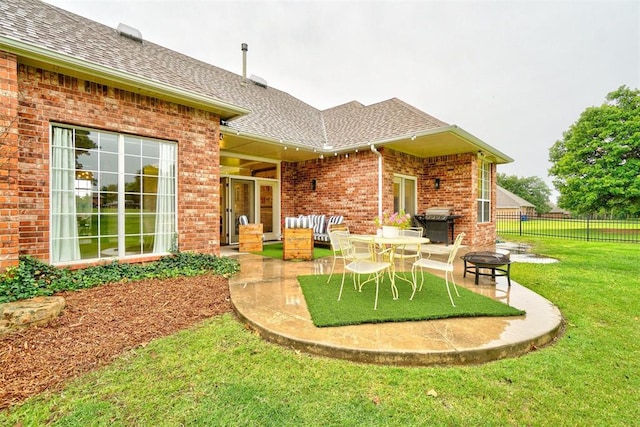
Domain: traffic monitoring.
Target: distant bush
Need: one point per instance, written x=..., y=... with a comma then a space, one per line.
x=33, y=277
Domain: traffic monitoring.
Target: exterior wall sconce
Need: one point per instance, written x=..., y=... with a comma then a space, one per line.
x=436, y=183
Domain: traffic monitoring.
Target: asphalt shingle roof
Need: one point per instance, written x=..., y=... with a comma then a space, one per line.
x=274, y=113
x=506, y=199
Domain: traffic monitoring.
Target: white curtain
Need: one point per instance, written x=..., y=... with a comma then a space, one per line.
x=64, y=227
x=165, y=200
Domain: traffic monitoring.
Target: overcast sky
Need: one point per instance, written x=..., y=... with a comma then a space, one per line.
x=516, y=74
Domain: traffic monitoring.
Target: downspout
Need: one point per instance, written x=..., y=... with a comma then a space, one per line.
x=373, y=148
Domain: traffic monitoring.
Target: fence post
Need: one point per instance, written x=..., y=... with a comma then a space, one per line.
x=520, y=223
x=588, y=229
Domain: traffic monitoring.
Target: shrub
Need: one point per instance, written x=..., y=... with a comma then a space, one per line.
x=33, y=278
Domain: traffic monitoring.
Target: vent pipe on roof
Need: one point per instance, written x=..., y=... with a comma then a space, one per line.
x=129, y=32
x=244, y=48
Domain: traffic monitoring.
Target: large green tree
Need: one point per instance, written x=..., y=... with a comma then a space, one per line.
x=533, y=189
x=596, y=165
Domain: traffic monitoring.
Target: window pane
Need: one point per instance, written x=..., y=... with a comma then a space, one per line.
x=409, y=196
x=148, y=223
x=147, y=243
x=396, y=194
x=150, y=149
x=108, y=202
x=108, y=225
x=132, y=224
x=88, y=248
x=108, y=246
x=133, y=245
x=108, y=162
x=149, y=202
x=108, y=143
x=108, y=182
x=132, y=145
x=132, y=165
x=132, y=183
x=87, y=160
x=150, y=184
x=86, y=140
x=131, y=202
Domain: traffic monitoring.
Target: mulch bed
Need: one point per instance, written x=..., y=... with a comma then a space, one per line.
x=99, y=324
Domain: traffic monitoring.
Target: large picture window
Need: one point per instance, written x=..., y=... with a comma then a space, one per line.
x=484, y=191
x=112, y=195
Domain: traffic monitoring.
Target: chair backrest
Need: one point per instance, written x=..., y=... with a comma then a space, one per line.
x=335, y=238
x=353, y=249
x=243, y=220
x=456, y=246
x=411, y=231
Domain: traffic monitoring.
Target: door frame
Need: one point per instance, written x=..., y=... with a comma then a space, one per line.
x=228, y=218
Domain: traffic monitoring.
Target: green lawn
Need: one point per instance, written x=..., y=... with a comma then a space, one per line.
x=219, y=373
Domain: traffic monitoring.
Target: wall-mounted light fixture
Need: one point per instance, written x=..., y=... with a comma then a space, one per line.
x=313, y=185
x=436, y=183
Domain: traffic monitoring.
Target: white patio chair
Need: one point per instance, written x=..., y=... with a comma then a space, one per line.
x=409, y=251
x=447, y=267
x=335, y=237
x=352, y=256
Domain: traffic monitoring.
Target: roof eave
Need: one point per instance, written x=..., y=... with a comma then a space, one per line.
x=83, y=68
x=476, y=144
x=486, y=149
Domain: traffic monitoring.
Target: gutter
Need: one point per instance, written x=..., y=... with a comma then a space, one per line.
x=78, y=66
x=377, y=153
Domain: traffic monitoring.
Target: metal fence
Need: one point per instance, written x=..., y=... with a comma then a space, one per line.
x=590, y=228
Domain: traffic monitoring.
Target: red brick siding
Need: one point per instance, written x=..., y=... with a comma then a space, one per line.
x=48, y=97
x=9, y=207
x=348, y=186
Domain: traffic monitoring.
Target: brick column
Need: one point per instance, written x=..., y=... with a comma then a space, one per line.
x=9, y=213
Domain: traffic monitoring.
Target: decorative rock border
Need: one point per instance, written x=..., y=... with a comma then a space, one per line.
x=24, y=313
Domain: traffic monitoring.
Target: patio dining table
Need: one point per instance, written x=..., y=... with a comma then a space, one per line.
x=392, y=244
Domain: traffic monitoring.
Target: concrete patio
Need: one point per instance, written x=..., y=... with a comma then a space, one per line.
x=267, y=297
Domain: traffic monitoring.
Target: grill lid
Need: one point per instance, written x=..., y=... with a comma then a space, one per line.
x=439, y=213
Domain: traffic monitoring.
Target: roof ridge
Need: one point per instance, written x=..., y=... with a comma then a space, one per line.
x=350, y=104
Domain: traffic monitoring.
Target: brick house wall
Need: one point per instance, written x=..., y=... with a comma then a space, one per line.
x=348, y=186
x=9, y=210
x=34, y=98
x=47, y=97
x=345, y=185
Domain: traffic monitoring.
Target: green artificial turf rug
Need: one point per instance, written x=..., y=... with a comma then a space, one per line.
x=274, y=250
x=357, y=307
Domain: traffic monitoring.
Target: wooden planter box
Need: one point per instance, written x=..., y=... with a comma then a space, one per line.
x=297, y=244
x=250, y=238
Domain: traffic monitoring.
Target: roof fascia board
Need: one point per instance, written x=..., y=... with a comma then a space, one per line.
x=224, y=109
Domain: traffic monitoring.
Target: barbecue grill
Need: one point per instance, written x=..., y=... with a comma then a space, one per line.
x=438, y=224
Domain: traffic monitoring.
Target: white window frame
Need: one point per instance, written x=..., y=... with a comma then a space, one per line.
x=121, y=233
x=484, y=191
x=401, y=180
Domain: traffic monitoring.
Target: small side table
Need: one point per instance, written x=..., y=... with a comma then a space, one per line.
x=499, y=264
